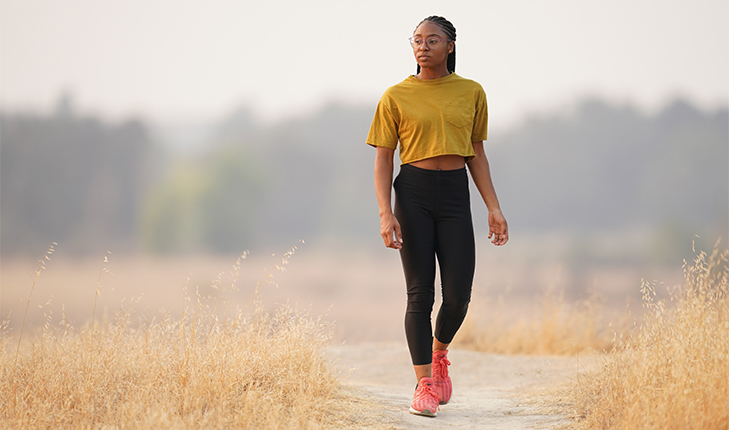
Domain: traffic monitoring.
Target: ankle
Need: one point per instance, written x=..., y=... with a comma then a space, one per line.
x=439, y=346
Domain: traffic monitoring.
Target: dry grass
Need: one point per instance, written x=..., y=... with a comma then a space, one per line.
x=212, y=367
x=216, y=366
x=552, y=327
x=673, y=373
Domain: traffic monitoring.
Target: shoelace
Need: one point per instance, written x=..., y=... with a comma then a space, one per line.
x=442, y=367
x=425, y=390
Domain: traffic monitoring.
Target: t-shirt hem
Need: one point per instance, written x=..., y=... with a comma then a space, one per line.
x=468, y=157
x=375, y=145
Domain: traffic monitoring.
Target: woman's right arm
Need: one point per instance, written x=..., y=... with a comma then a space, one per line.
x=389, y=226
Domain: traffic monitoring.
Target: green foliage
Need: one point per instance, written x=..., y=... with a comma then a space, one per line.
x=212, y=205
x=171, y=212
x=231, y=206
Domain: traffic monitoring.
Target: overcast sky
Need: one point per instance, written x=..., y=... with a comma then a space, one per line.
x=201, y=59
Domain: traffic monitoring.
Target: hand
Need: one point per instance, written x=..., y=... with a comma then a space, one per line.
x=498, y=229
x=390, y=231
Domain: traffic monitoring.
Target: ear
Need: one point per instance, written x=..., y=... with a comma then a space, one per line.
x=451, y=46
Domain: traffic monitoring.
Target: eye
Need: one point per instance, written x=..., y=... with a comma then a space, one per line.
x=415, y=42
x=432, y=41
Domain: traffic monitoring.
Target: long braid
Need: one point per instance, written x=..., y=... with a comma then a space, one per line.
x=450, y=31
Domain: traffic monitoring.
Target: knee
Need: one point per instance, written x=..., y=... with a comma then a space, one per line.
x=420, y=302
x=457, y=305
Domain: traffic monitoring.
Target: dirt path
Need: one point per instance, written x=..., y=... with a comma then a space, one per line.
x=490, y=391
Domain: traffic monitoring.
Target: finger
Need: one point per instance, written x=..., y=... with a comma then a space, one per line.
x=397, y=242
x=398, y=233
x=500, y=239
x=387, y=238
x=391, y=241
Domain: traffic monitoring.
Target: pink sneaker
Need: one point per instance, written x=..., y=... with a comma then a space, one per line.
x=441, y=380
x=425, y=401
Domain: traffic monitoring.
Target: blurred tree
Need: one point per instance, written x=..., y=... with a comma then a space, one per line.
x=231, y=207
x=214, y=204
x=73, y=180
x=596, y=170
x=613, y=168
x=171, y=213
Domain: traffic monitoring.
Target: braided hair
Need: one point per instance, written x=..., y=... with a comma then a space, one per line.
x=450, y=31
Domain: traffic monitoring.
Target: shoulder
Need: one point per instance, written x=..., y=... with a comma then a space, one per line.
x=466, y=83
x=399, y=88
x=397, y=94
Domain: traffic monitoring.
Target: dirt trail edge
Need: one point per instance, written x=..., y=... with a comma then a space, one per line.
x=489, y=390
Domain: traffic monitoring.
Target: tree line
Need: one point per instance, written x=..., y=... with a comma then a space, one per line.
x=94, y=186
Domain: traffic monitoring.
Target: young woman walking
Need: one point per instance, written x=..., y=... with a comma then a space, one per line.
x=440, y=121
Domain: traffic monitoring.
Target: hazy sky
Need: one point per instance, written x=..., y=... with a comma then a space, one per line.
x=201, y=59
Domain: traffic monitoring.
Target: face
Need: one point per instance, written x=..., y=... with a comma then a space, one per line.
x=429, y=55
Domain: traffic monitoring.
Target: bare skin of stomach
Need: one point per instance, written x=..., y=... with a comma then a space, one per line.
x=441, y=162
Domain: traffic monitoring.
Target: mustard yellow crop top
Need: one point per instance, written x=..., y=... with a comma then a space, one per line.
x=430, y=118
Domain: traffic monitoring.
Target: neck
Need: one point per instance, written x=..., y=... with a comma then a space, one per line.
x=427, y=73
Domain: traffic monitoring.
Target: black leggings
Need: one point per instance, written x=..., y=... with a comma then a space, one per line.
x=434, y=211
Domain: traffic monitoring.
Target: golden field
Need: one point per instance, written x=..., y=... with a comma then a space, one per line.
x=134, y=342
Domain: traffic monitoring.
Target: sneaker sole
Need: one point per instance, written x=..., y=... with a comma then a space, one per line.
x=444, y=403
x=425, y=413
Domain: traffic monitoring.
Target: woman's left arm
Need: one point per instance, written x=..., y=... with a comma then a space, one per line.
x=481, y=174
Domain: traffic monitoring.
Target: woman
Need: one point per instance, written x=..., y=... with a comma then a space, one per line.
x=440, y=121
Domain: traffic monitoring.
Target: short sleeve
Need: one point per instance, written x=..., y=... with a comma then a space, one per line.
x=481, y=118
x=384, y=128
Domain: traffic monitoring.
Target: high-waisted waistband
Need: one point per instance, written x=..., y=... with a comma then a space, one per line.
x=434, y=189
x=442, y=179
x=420, y=171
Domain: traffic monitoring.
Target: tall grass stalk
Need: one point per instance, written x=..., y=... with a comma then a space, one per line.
x=268, y=279
x=41, y=266
x=674, y=372
x=37, y=273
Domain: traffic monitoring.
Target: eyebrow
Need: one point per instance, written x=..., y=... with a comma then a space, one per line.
x=431, y=34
